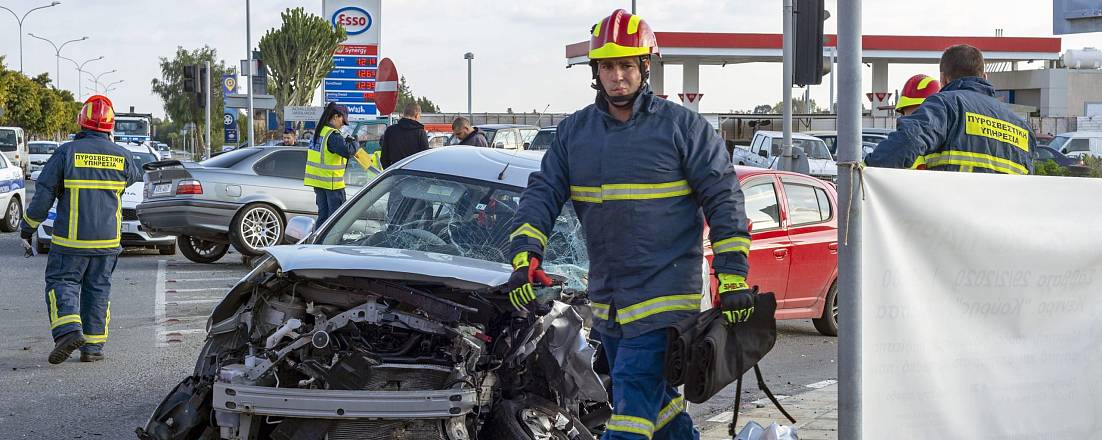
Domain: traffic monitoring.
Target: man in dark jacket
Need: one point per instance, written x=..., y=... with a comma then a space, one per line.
x=642, y=174
x=961, y=128
x=86, y=177
x=405, y=138
x=468, y=135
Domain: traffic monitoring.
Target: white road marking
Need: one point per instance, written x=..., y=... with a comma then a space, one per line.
x=159, y=301
x=207, y=289
x=195, y=301
x=186, y=280
x=821, y=384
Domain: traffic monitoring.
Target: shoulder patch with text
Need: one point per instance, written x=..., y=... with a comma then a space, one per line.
x=997, y=129
x=104, y=161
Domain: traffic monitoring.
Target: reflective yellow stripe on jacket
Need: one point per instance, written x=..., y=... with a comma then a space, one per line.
x=629, y=191
x=650, y=307
x=968, y=160
x=324, y=169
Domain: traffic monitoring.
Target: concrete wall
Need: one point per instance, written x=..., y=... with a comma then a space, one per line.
x=1055, y=92
x=1083, y=86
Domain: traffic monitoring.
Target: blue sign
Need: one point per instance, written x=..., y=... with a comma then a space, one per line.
x=229, y=127
x=354, y=61
x=339, y=85
x=360, y=74
x=359, y=109
x=350, y=96
x=229, y=84
x=354, y=20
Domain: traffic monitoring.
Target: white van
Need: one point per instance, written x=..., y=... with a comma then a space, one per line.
x=13, y=143
x=1078, y=143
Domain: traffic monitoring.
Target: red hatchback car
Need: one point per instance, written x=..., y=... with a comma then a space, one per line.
x=794, y=248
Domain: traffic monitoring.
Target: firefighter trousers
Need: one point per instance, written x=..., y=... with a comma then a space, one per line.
x=78, y=296
x=644, y=405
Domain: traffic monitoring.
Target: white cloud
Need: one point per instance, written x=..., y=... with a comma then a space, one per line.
x=518, y=45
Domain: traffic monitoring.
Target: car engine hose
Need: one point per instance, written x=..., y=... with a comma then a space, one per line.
x=275, y=337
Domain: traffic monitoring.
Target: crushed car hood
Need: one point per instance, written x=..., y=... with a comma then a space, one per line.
x=322, y=261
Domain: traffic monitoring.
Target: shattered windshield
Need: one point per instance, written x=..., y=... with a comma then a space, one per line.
x=447, y=215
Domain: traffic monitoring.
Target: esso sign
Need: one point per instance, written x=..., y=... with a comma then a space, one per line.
x=354, y=20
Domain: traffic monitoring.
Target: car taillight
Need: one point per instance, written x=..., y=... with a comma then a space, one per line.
x=189, y=187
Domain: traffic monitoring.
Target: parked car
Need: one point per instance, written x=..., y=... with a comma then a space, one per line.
x=765, y=149
x=13, y=144
x=1078, y=143
x=164, y=152
x=794, y=243
x=1040, y=153
x=507, y=136
x=13, y=195
x=243, y=197
x=868, y=141
x=40, y=152
x=543, y=139
x=132, y=233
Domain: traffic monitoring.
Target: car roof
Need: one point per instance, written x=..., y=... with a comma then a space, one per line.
x=746, y=172
x=478, y=163
x=500, y=126
x=1087, y=134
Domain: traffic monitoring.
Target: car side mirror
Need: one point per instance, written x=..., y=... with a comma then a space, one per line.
x=499, y=144
x=299, y=228
x=762, y=153
x=1065, y=151
x=526, y=144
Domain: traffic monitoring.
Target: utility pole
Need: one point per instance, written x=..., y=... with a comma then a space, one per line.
x=849, y=232
x=469, y=57
x=786, y=162
x=207, y=92
x=249, y=77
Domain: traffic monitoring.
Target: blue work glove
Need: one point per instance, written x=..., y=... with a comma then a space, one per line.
x=526, y=271
x=736, y=299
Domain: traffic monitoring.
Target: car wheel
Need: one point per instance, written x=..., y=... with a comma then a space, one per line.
x=827, y=323
x=12, y=215
x=168, y=249
x=256, y=227
x=201, y=251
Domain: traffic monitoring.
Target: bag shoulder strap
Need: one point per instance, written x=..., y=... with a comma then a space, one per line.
x=731, y=429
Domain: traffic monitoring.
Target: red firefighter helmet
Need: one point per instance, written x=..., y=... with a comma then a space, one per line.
x=97, y=114
x=916, y=90
x=621, y=35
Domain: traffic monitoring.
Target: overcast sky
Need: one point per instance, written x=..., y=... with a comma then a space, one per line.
x=518, y=45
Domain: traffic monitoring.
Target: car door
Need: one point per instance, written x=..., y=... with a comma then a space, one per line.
x=770, y=247
x=280, y=175
x=813, y=231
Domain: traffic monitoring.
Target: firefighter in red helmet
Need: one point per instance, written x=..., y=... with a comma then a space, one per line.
x=632, y=152
x=86, y=177
x=915, y=91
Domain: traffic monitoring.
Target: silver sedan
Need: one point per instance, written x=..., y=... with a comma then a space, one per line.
x=241, y=198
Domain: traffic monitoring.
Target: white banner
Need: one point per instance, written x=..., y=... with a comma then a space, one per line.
x=981, y=307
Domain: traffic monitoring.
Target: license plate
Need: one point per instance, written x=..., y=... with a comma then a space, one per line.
x=162, y=188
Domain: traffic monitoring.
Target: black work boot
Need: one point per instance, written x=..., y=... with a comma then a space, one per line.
x=65, y=345
x=91, y=356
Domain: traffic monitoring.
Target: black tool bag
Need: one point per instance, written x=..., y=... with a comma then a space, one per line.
x=706, y=353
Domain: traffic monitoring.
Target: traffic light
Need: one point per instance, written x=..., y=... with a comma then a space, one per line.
x=201, y=89
x=190, y=76
x=808, y=47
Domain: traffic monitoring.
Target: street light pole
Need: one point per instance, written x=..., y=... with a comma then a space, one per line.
x=469, y=57
x=249, y=77
x=20, y=20
x=80, y=71
x=57, y=54
x=96, y=78
x=786, y=162
x=109, y=87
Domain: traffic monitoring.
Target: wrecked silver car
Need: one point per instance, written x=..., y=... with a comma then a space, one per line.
x=385, y=323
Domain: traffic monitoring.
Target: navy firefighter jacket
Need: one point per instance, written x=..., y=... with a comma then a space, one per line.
x=642, y=190
x=86, y=177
